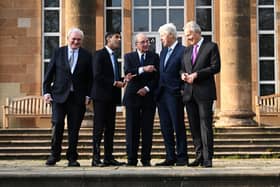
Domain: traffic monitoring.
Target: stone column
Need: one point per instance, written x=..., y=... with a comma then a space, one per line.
x=235, y=76
x=81, y=14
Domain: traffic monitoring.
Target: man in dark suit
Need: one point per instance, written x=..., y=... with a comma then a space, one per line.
x=106, y=94
x=169, y=98
x=67, y=86
x=200, y=63
x=139, y=100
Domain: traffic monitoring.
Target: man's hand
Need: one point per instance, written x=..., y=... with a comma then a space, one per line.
x=142, y=92
x=48, y=99
x=189, y=78
x=128, y=77
x=149, y=68
x=119, y=84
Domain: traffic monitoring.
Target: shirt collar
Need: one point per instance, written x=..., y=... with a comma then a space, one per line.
x=173, y=45
x=109, y=50
x=200, y=42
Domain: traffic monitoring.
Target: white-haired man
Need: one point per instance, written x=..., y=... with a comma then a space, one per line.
x=67, y=86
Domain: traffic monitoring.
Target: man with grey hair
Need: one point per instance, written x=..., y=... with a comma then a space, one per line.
x=139, y=100
x=169, y=98
x=201, y=61
x=67, y=86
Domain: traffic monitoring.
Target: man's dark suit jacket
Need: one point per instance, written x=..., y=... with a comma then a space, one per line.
x=206, y=65
x=131, y=98
x=170, y=80
x=58, y=77
x=103, y=76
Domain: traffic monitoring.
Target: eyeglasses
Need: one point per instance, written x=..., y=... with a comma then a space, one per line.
x=143, y=42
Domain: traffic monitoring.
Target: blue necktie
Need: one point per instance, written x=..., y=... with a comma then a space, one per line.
x=167, y=56
x=115, y=67
x=142, y=59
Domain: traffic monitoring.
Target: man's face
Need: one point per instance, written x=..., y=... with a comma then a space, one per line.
x=166, y=39
x=142, y=43
x=114, y=42
x=75, y=40
x=192, y=37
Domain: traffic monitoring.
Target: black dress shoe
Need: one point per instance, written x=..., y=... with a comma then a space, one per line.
x=52, y=160
x=207, y=164
x=97, y=163
x=113, y=162
x=146, y=164
x=74, y=163
x=131, y=163
x=196, y=162
x=166, y=163
x=181, y=163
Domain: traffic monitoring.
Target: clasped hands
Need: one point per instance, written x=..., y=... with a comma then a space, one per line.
x=189, y=78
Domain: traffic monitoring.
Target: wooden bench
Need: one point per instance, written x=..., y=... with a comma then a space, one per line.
x=267, y=106
x=25, y=107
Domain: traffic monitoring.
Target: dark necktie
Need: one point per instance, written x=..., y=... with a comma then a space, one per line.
x=115, y=67
x=142, y=59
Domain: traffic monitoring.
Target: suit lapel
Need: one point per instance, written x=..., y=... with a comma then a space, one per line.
x=199, y=53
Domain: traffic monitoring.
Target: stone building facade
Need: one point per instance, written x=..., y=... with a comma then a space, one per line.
x=247, y=32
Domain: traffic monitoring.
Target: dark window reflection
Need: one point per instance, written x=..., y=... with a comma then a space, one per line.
x=141, y=3
x=203, y=18
x=266, y=45
x=266, y=19
x=51, y=42
x=158, y=18
x=141, y=20
x=207, y=37
x=51, y=3
x=51, y=21
x=176, y=16
x=203, y=2
x=267, y=89
x=152, y=46
x=266, y=2
x=113, y=21
x=113, y=3
x=158, y=2
x=266, y=70
x=176, y=2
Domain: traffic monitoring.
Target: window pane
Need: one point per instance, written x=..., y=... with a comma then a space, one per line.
x=267, y=89
x=158, y=2
x=176, y=2
x=51, y=3
x=158, y=18
x=266, y=19
x=203, y=2
x=266, y=2
x=141, y=2
x=176, y=16
x=51, y=42
x=141, y=20
x=267, y=70
x=51, y=21
x=266, y=45
x=203, y=18
x=113, y=3
x=113, y=21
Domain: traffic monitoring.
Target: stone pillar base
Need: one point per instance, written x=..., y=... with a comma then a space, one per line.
x=235, y=118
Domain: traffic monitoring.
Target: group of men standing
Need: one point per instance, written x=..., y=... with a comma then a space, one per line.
x=179, y=76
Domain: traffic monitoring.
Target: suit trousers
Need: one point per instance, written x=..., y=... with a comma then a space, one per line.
x=104, y=122
x=200, y=116
x=75, y=114
x=139, y=119
x=171, y=113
